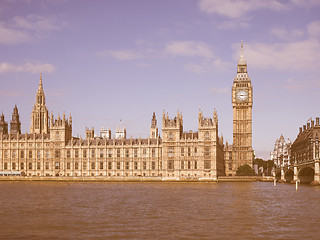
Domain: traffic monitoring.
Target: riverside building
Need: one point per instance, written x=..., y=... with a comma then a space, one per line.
x=51, y=150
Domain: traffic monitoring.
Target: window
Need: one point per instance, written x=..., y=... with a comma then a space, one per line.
x=68, y=154
x=22, y=154
x=13, y=154
x=195, y=151
x=30, y=165
x=182, y=164
x=57, y=154
x=5, y=154
x=93, y=153
x=153, y=152
x=47, y=154
x=195, y=165
x=38, y=154
x=144, y=152
x=13, y=166
x=170, y=135
x=101, y=153
x=170, y=164
x=189, y=165
x=76, y=165
x=170, y=152
x=84, y=153
x=110, y=153
x=68, y=165
x=101, y=165
x=153, y=165
x=144, y=165
x=135, y=151
x=127, y=165
x=93, y=165
x=38, y=166
x=57, y=165
x=182, y=152
x=207, y=164
x=127, y=153
x=5, y=167
x=207, y=135
x=47, y=165
x=109, y=165
x=206, y=152
x=189, y=151
x=22, y=166
x=84, y=166
x=118, y=165
x=118, y=153
x=135, y=165
x=30, y=154
x=76, y=153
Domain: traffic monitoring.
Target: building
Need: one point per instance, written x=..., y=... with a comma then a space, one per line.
x=306, y=146
x=51, y=150
x=281, y=152
x=242, y=101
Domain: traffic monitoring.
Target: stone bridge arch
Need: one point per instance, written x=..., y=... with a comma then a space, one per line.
x=306, y=174
x=289, y=175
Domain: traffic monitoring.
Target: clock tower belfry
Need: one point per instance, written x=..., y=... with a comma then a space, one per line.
x=242, y=101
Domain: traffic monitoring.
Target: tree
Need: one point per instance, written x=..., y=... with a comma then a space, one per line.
x=245, y=170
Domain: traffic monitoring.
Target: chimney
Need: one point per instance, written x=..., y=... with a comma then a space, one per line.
x=312, y=123
x=300, y=129
x=304, y=127
x=308, y=125
x=317, y=121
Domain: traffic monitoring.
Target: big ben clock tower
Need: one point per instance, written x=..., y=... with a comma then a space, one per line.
x=242, y=101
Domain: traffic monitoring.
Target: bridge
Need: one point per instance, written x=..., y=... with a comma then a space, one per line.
x=306, y=172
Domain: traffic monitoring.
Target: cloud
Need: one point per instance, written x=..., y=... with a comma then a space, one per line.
x=188, y=48
x=295, y=86
x=299, y=55
x=220, y=90
x=25, y=29
x=284, y=34
x=124, y=54
x=313, y=29
x=31, y=66
x=232, y=24
x=238, y=8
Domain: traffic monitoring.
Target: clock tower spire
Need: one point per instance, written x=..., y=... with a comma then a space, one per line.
x=242, y=101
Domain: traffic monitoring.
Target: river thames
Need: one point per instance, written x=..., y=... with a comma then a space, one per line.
x=247, y=210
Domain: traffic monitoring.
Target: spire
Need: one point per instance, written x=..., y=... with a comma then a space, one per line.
x=242, y=64
x=40, y=83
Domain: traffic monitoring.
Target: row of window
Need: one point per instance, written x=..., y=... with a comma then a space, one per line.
x=85, y=153
x=100, y=165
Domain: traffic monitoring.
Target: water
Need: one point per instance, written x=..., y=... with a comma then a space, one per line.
x=253, y=210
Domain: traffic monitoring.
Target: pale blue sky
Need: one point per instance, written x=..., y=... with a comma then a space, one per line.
x=103, y=61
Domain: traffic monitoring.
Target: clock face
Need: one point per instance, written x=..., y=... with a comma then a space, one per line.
x=242, y=95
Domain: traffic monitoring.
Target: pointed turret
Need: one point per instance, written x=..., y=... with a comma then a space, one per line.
x=154, y=129
x=39, y=120
x=15, y=124
x=3, y=125
x=242, y=64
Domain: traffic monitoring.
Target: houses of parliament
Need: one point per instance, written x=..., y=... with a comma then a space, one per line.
x=51, y=150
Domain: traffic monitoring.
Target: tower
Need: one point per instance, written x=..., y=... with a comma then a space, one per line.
x=154, y=129
x=15, y=124
x=3, y=125
x=61, y=129
x=242, y=101
x=39, y=120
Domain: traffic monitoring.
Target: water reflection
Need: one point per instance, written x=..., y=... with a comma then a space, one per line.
x=158, y=210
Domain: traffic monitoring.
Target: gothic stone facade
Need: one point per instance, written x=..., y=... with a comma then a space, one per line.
x=50, y=150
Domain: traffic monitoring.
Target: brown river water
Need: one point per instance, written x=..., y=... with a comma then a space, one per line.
x=73, y=210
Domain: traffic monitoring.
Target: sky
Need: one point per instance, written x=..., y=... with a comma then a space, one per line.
x=112, y=63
